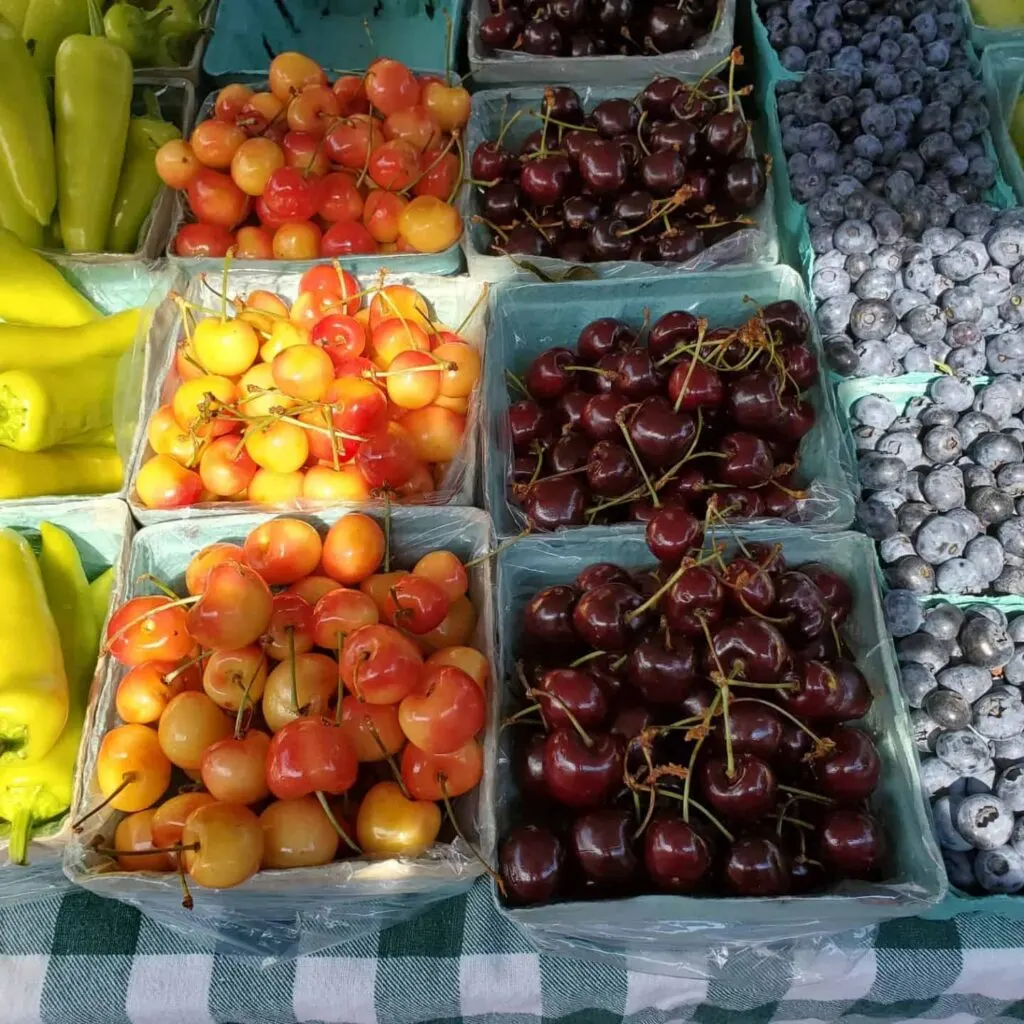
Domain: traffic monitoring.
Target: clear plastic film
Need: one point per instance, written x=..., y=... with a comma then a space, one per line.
x=278, y=913
x=458, y=303
x=513, y=67
x=101, y=529
x=1002, y=68
x=527, y=319
x=661, y=933
x=493, y=108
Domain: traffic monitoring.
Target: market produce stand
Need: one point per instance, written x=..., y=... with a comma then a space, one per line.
x=90, y=960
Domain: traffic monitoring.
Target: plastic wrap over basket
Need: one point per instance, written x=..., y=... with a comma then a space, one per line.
x=285, y=913
x=527, y=319
x=454, y=301
x=651, y=930
x=101, y=529
x=754, y=245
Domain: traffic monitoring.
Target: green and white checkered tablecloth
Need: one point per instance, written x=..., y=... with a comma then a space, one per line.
x=81, y=960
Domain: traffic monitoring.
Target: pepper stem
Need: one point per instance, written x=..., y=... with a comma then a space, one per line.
x=95, y=19
x=21, y=824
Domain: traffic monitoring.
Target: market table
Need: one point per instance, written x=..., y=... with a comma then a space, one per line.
x=80, y=960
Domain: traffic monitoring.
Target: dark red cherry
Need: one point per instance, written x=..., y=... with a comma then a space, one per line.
x=583, y=44
x=797, y=419
x=603, y=168
x=669, y=28
x=499, y=204
x=569, y=452
x=638, y=376
x=547, y=378
x=563, y=104
x=542, y=37
x=633, y=207
x=726, y=133
x=833, y=588
x=675, y=328
x=678, y=135
x=662, y=172
x=779, y=502
x=555, y=502
x=698, y=701
x=746, y=795
x=676, y=856
x=573, y=249
x=599, y=418
x=610, y=680
x=850, y=772
x=853, y=697
x=699, y=385
x=602, y=842
x=679, y=244
x=615, y=117
x=614, y=13
x=700, y=185
x=686, y=486
x=661, y=671
x=753, y=728
x=672, y=534
x=530, y=766
x=608, y=239
x=631, y=720
x=852, y=843
x=523, y=469
x=565, y=692
x=788, y=320
x=603, y=337
x=745, y=183
x=754, y=400
x=489, y=162
x=752, y=649
x=693, y=105
x=579, y=213
x=531, y=863
x=569, y=12
x=575, y=140
x=606, y=378
x=545, y=180
x=631, y=150
x=657, y=97
x=602, y=617
x=748, y=586
x=660, y=435
x=527, y=422
x=757, y=866
x=499, y=31
x=568, y=408
x=600, y=573
x=812, y=691
x=797, y=598
x=611, y=469
x=747, y=462
x=693, y=600
x=806, y=875
x=737, y=503
x=548, y=615
x=522, y=240
x=579, y=775
x=794, y=747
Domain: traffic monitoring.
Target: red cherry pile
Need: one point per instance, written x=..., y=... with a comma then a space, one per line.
x=670, y=418
x=656, y=179
x=692, y=734
x=587, y=28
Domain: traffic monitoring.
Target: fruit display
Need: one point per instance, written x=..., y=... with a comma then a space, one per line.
x=591, y=28
x=962, y=669
x=59, y=363
x=53, y=615
x=340, y=393
x=304, y=700
x=670, y=422
x=700, y=727
x=307, y=169
x=83, y=181
x=669, y=176
x=943, y=486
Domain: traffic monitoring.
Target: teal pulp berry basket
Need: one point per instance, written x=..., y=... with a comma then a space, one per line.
x=1002, y=67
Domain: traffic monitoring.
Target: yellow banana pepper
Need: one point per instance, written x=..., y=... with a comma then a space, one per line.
x=33, y=291
x=61, y=470
x=37, y=791
x=24, y=347
x=33, y=686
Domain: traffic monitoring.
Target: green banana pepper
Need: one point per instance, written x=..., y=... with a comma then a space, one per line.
x=14, y=12
x=139, y=184
x=134, y=30
x=178, y=31
x=14, y=217
x=26, y=143
x=92, y=98
x=34, y=792
x=48, y=23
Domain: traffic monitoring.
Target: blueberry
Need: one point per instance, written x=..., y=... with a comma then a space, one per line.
x=936, y=775
x=966, y=336
x=903, y=300
x=912, y=515
x=793, y=58
x=983, y=820
x=916, y=681
x=959, y=866
x=986, y=555
x=1010, y=478
x=970, y=681
x=1006, y=246
x=903, y=614
x=855, y=236
x=943, y=489
x=833, y=315
x=918, y=360
x=912, y=573
x=872, y=320
x=1011, y=535
x=874, y=411
x=963, y=751
x=926, y=732
x=972, y=425
x=1005, y=353
x=941, y=445
x=1000, y=870
x=937, y=148
x=967, y=521
x=985, y=643
x=878, y=285
x=934, y=416
x=894, y=548
x=858, y=264
x=998, y=717
x=1010, y=788
x=945, y=831
x=1008, y=752
x=994, y=449
x=828, y=283
x=1011, y=309
x=876, y=520
x=867, y=147
x=878, y=472
x=958, y=576
x=943, y=621
x=999, y=399
x=924, y=649
x=992, y=286
x=1010, y=581
x=821, y=238
x=875, y=360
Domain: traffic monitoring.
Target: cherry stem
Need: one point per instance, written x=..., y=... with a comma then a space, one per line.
x=705, y=726
x=517, y=383
x=245, y=702
x=687, y=563
x=585, y=658
x=387, y=532
x=782, y=711
x=783, y=621
x=183, y=667
x=392, y=764
x=177, y=848
x=588, y=742
x=638, y=462
x=806, y=794
x=714, y=821
x=186, y=896
x=505, y=127
x=480, y=299
x=538, y=467
x=126, y=780
x=148, y=577
x=180, y=603
x=292, y=664
x=730, y=761
x=334, y=822
x=442, y=781
x=522, y=713
x=487, y=556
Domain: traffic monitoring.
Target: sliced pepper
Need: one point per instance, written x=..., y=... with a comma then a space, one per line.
x=61, y=470
x=24, y=347
x=26, y=142
x=92, y=92
x=43, y=408
x=139, y=184
x=33, y=685
x=37, y=791
x=32, y=291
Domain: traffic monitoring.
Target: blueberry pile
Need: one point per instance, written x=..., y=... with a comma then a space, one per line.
x=953, y=300
x=943, y=486
x=961, y=671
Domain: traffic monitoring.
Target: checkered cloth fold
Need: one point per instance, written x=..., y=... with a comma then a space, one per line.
x=82, y=960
